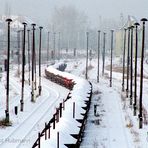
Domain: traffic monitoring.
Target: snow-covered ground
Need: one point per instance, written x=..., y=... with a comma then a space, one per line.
x=114, y=125
x=25, y=125
x=117, y=126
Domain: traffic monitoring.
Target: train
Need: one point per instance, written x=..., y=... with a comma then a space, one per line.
x=63, y=81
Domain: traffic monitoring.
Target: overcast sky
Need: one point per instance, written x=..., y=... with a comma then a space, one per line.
x=40, y=10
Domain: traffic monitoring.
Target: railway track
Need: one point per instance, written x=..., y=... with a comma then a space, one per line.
x=33, y=116
x=50, y=113
x=17, y=136
x=16, y=100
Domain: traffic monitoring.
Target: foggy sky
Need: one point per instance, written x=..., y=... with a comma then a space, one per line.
x=41, y=10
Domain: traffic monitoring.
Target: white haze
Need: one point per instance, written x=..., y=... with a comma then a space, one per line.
x=41, y=10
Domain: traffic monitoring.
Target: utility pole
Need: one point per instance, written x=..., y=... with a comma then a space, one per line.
x=54, y=42
x=86, y=74
x=74, y=52
x=124, y=59
x=35, y=55
x=40, y=46
x=131, y=68
x=22, y=33
x=141, y=76
x=98, y=54
x=59, y=46
x=48, y=47
x=128, y=58
x=103, y=54
x=23, y=68
x=29, y=54
x=112, y=31
x=8, y=59
x=33, y=63
x=136, y=50
x=18, y=51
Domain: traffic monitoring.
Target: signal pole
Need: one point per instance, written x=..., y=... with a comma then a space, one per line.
x=136, y=49
x=103, y=54
x=131, y=68
x=8, y=59
x=59, y=46
x=98, y=54
x=35, y=55
x=29, y=54
x=128, y=58
x=18, y=44
x=40, y=45
x=33, y=63
x=141, y=76
x=124, y=58
x=48, y=47
x=54, y=44
x=112, y=31
x=23, y=68
x=86, y=74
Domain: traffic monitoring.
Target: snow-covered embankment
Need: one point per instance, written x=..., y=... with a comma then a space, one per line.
x=66, y=127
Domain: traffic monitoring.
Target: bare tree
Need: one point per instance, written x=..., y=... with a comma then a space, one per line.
x=71, y=23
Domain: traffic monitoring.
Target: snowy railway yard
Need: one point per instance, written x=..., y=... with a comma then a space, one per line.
x=113, y=125
x=73, y=74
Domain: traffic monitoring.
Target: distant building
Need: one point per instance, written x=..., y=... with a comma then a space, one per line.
x=119, y=37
